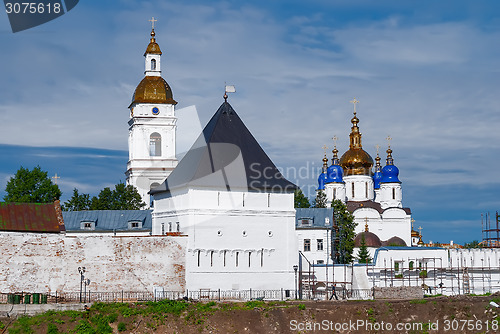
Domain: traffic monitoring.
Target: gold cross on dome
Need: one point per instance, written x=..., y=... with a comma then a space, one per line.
x=377, y=147
x=153, y=22
x=354, y=102
x=366, y=224
x=55, y=177
x=335, y=138
x=389, y=138
x=325, y=148
x=412, y=221
x=420, y=230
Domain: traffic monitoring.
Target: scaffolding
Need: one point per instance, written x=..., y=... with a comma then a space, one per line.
x=491, y=234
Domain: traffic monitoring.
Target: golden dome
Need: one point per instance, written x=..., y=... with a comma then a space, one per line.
x=356, y=162
x=153, y=89
x=153, y=47
x=414, y=234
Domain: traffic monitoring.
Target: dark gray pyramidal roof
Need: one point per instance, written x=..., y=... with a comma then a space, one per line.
x=227, y=157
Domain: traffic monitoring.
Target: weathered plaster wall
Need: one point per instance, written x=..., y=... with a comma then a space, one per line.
x=400, y=292
x=49, y=262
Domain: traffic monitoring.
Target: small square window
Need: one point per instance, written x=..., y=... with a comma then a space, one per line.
x=306, y=222
x=134, y=225
x=86, y=225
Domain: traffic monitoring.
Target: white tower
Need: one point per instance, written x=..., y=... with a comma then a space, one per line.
x=391, y=194
x=152, y=126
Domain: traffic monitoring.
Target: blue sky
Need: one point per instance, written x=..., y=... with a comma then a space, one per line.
x=425, y=72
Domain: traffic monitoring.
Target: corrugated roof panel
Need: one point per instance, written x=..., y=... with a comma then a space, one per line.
x=29, y=217
x=318, y=216
x=108, y=220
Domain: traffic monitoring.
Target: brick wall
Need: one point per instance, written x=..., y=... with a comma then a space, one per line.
x=49, y=262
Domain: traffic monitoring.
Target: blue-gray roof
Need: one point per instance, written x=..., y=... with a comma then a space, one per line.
x=317, y=215
x=108, y=220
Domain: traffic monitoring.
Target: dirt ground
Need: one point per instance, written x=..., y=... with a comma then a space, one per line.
x=464, y=314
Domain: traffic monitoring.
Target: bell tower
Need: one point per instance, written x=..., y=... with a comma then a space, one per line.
x=152, y=126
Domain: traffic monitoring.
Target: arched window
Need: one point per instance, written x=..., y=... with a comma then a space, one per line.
x=393, y=193
x=352, y=189
x=199, y=253
x=155, y=144
x=237, y=258
x=153, y=64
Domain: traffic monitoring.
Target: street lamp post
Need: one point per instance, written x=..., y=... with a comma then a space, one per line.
x=85, y=283
x=81, y=270
x=295, y=268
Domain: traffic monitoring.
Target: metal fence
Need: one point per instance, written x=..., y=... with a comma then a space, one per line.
x=157, y=295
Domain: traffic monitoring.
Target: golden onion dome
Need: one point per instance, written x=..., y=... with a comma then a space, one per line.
x=415, y=234
x=153, y=47
x=356, y=161
x=153, y=89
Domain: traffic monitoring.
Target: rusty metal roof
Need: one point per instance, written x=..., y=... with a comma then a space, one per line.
x=30, y=217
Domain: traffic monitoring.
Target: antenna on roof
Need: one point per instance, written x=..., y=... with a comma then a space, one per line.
x=228, y=89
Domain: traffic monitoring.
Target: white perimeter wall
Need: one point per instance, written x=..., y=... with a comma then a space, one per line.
x=49, y=262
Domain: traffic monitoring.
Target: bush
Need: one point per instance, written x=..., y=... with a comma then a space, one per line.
x=122, y=327
x=52, y=329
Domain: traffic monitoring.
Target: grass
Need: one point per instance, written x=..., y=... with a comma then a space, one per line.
x=418, y=301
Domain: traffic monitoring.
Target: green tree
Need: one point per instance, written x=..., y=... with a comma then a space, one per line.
x=31, y=186
x=363, y=254
x=104, y=201
x=77, y=202
x=121, y=198
x=320, y=200
x=473, y=244
x=126, y=198
x=300, y=200
x=345, y=224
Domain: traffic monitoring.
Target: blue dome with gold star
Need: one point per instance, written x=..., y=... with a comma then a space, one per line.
x=321, y=181
x=390, y=172
x=323, y=177
x=335, y=172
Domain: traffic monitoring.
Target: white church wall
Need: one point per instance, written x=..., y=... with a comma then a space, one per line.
x=48, y=262
x=313, y=254
x=363, y=187
x=391, y=195
x=268, y=241
x=230, y=227
x=392, y=222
